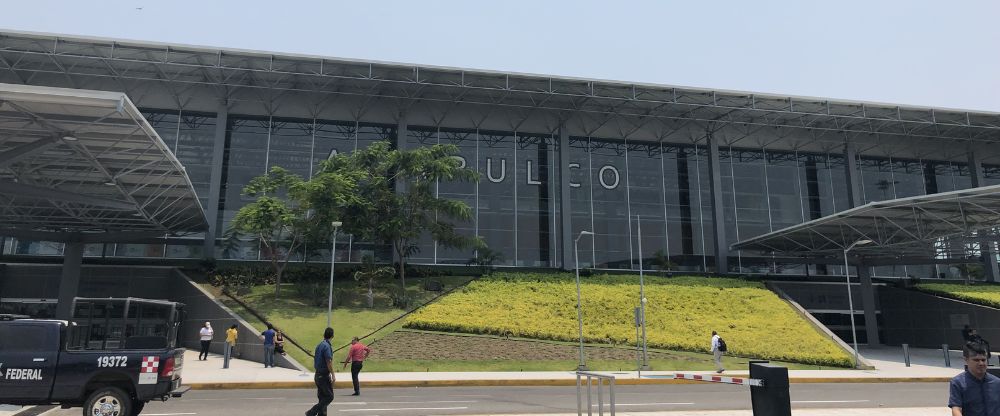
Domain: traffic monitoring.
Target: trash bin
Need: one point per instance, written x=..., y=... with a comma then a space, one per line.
x=771, y=399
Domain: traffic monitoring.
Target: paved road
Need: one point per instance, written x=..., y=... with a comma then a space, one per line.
x=536, y=400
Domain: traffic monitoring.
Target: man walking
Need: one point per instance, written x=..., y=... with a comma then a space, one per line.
x=717, y=350
x=356, y=356
x=975, y=392
x=268, y=337
x=323, y=363
x=231, y=335
x=205, y=336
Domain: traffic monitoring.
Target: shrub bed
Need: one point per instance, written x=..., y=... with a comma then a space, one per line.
x=681, y=313
x=988, y=295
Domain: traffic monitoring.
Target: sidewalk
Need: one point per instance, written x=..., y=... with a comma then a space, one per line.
x=904, y=411
x=927, y=365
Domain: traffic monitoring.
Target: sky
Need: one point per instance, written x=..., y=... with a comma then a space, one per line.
x=914, y=52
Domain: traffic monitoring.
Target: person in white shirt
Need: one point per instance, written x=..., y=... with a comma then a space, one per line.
x=206, y=334
x=717, y=353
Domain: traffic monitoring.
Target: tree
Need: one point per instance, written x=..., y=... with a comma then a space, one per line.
x=662, y=262
x=289, y=211
x=372, y=273
x=397, y=201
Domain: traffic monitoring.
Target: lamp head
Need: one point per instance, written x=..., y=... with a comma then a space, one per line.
x=585, y=232
x=863, y=242
x=336, y=224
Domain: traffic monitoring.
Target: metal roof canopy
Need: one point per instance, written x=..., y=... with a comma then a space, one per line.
x=915, y=230
x=85, y=166
x=82, y=60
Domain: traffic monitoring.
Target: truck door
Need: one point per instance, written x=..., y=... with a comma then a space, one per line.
x=28, y=353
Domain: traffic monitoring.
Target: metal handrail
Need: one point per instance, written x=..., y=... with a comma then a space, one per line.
x=601, y=378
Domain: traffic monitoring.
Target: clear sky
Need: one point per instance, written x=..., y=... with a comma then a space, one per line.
x=930, y=53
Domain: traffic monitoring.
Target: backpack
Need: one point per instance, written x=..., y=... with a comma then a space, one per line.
x=722, y=345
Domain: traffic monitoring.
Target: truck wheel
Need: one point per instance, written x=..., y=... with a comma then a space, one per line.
x=108, y=401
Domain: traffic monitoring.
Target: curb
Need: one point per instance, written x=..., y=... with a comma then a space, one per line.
x=535, y=383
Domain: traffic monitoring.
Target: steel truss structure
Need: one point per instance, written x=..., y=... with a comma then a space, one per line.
x=638, y=111
x=904, y=231
x=86, y=166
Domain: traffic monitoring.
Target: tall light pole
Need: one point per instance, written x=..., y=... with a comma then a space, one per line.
x=579, y=311
x=850, y=298
x=333, y=264
x=642, y=301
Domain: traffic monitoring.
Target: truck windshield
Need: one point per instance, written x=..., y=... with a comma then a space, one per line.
x=109, y=324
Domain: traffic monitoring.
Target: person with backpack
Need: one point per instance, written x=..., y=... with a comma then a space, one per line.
x=718, y=349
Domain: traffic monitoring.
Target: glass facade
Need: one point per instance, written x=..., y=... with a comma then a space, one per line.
x=615, y=186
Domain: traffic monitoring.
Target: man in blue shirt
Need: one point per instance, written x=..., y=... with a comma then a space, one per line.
x=975, y=392
x=323, y=363
x=268, y=337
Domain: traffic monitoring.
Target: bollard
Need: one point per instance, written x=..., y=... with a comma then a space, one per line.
x=771, y=399
x=906, y=354
x=947, y=356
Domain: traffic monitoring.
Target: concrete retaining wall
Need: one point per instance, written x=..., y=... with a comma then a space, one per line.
x=201, y=307
x=924, y=320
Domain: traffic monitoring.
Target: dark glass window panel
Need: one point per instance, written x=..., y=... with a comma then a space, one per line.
x=245, y=159
x=290, y=146
x=466, y=141
x=908, y=178
x=535, y=178
x=333, y=137
x=580, y=183
x=876, y=179
x=645, y=192
x=612, y=233
x=496, y=193
x=371, y=133
x=417, y=137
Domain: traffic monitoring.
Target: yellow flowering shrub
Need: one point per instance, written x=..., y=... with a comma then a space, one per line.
x=988, y=295
x=681, y=314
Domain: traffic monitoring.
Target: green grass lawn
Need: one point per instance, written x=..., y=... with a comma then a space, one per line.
x=305, y=323
x=982, y=294
x=681, y=313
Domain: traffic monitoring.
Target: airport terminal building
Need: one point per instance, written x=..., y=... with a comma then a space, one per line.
x=699, y=169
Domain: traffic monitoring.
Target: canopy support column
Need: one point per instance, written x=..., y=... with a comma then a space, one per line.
x=70, y=282
x=718, y=218
x=990, y=266
x=215, y=186
x=868, y=304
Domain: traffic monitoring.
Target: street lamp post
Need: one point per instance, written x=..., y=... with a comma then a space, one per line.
x=850, y=297
x=579, y=311
x=642, y=300
x=333, y=264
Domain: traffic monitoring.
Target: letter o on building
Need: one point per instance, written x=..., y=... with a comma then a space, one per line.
x=600, y=176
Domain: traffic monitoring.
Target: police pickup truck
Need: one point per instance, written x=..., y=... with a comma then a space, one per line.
x=114, y=357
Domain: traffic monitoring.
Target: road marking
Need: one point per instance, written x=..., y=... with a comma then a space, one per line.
x=234, y=398
x=403, y=408
x=417, y=402
x=653, y=404
x=830, y=401
x=168, y=414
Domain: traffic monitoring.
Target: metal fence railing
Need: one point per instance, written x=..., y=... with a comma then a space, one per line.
x=600, y=380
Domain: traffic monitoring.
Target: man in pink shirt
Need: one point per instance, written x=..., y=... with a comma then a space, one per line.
x=356, y=356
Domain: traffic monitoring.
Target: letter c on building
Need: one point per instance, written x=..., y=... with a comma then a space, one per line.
x=574, y=165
